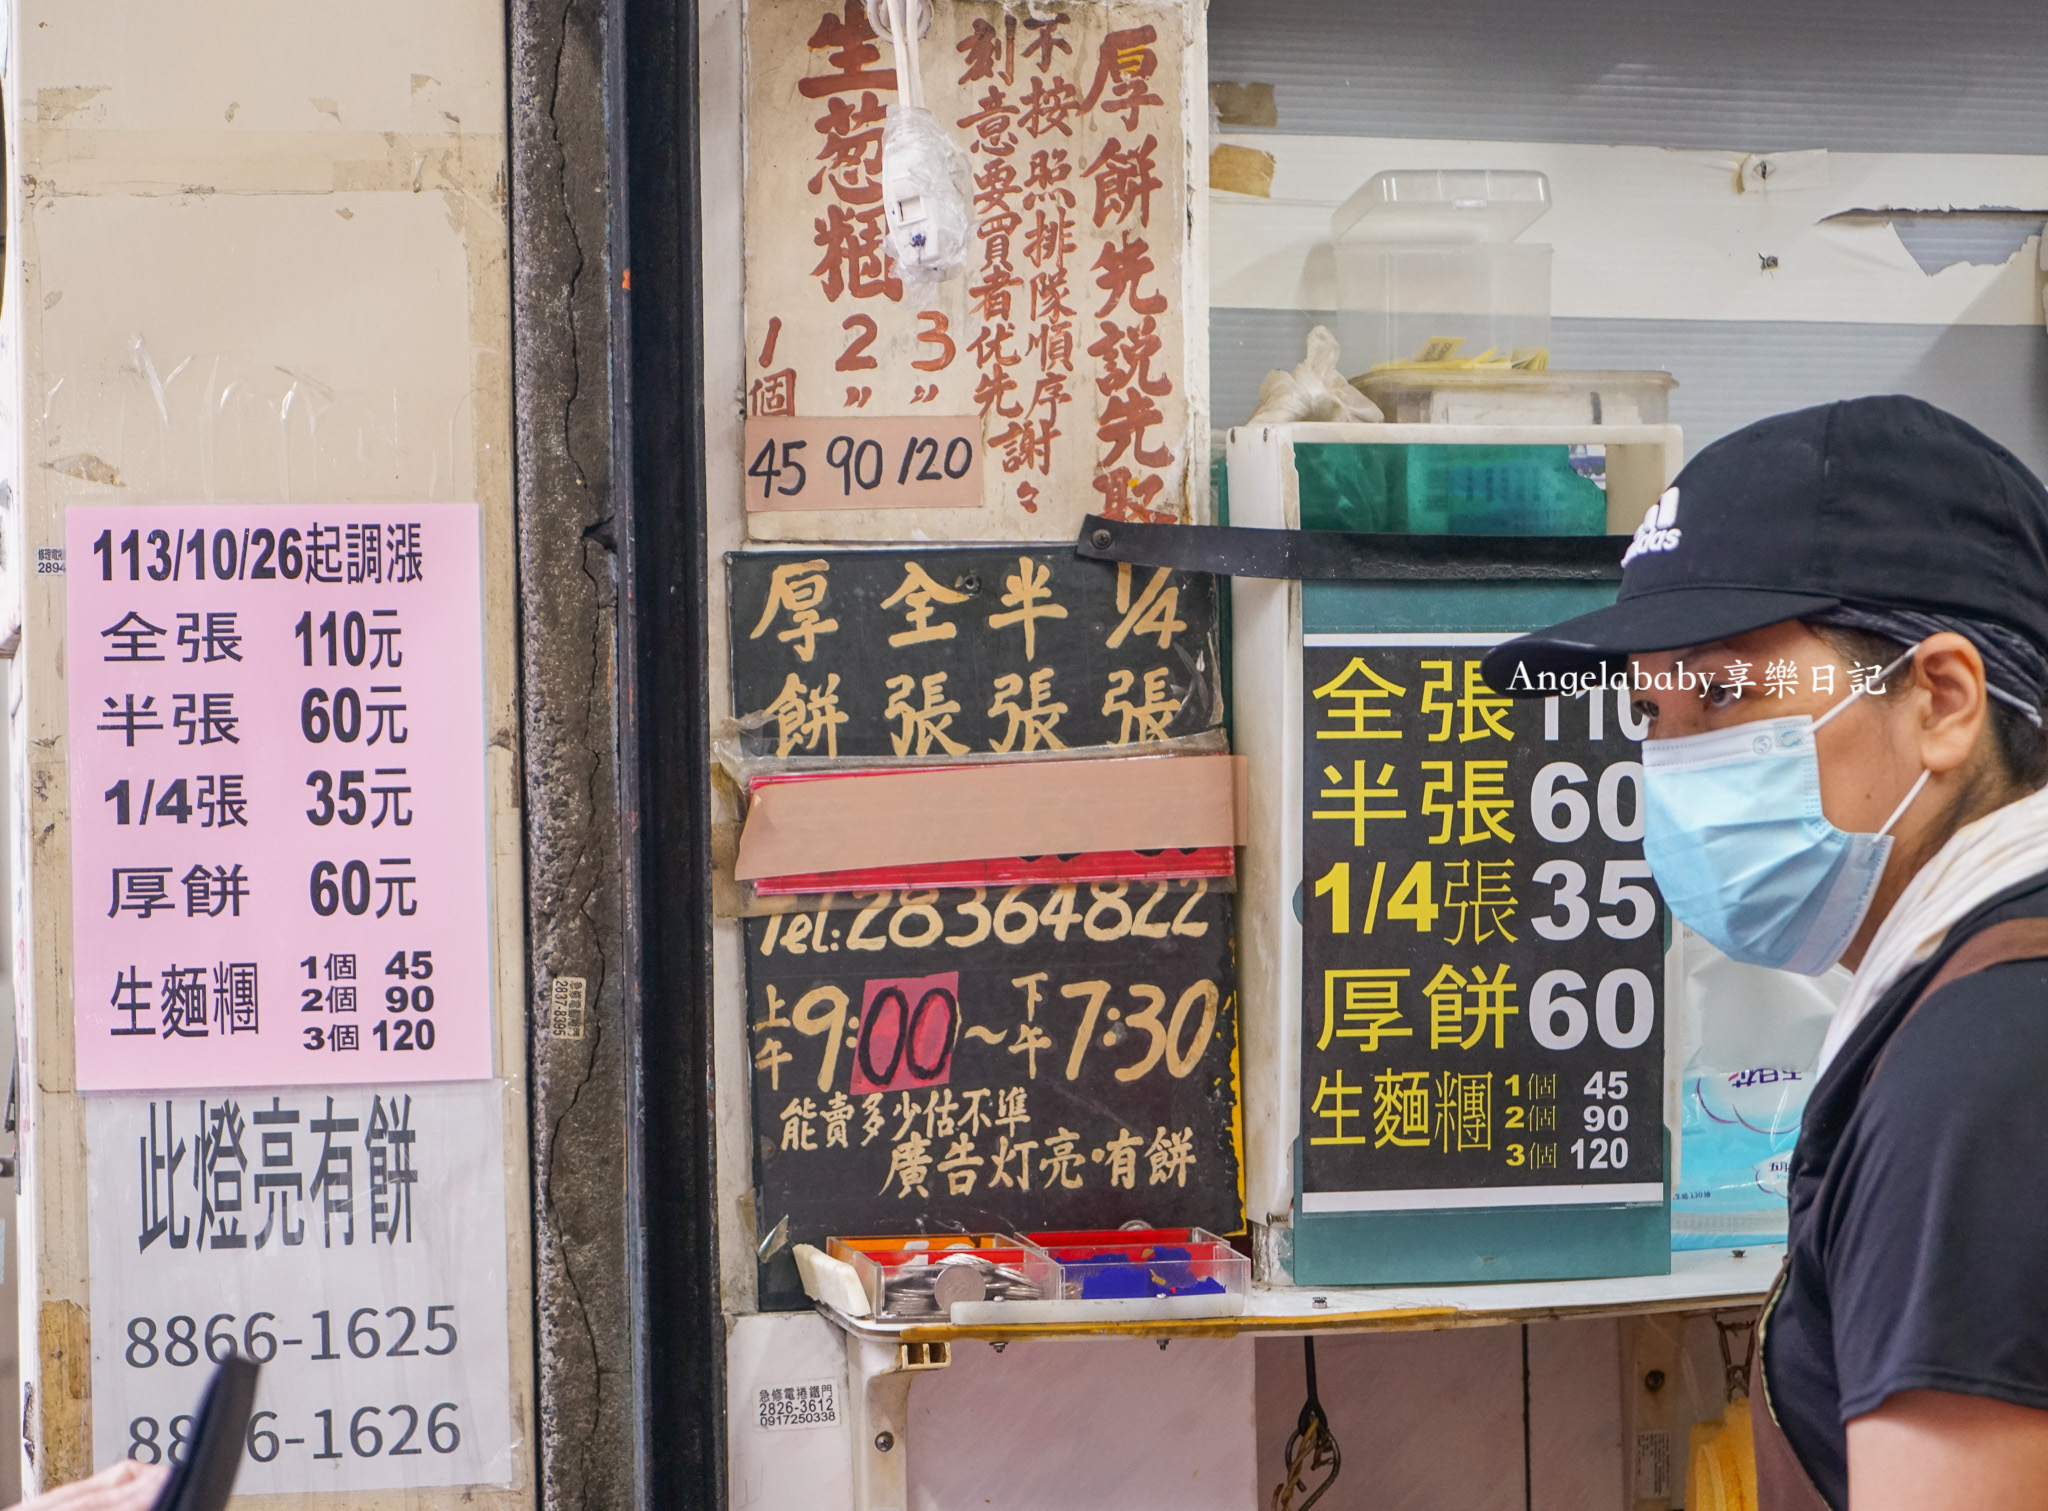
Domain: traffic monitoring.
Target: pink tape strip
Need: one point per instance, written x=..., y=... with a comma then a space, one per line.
x=909, y=818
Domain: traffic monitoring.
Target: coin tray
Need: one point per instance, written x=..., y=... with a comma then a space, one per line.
x=1135, y=1275
x=903, y=1275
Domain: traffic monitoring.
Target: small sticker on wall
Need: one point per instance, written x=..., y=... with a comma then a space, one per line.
x=49, y=561
x=566, y=997
x=1653, y=1466
x=782, y=1407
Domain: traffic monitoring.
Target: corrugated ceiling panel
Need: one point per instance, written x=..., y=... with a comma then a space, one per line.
x=1849, y=75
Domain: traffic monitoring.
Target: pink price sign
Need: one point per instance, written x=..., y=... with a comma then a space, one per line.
x=278, y=869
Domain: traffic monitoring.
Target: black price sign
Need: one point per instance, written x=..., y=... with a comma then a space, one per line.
x=949, y=652
x=1002, y=1059
x=1482, y=955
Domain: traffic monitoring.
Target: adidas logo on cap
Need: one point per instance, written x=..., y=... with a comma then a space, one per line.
x=1659, y=530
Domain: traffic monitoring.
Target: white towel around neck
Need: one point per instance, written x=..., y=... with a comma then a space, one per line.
x=1980, y=860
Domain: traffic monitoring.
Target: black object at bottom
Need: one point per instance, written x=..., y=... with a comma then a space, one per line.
x=1335, y=556
x=220, y=1433
x=1312, y=1446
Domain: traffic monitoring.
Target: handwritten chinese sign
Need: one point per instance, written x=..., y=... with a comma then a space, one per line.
x=1005, y=1059
x=277, y=795
x=1063, y=346
x=945, y=652
x=350, y=1240
x=1483, y=954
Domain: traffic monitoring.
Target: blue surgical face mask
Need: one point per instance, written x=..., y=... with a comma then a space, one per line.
x=1735, y=836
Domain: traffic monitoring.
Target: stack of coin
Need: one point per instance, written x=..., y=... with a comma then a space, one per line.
x=930, y=1290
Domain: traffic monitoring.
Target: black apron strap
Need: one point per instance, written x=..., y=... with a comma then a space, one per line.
x=1782, y=1483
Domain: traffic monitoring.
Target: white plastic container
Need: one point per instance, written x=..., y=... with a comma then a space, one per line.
x=1424, y=254
x=1443, y=206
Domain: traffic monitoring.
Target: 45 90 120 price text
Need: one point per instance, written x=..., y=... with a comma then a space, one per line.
x=860, y=463
x=339, y=996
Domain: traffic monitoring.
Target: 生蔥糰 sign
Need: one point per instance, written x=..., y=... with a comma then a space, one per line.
x=1048, y=381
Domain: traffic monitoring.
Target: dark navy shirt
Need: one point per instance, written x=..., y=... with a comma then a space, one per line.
x=1919, y=1207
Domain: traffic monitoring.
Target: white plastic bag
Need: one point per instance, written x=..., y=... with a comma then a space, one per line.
x=924, y=195
x=1315, y=390
x=1750, y=1041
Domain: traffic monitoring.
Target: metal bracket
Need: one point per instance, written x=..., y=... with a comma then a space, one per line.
x=879, y=1375
x=1335, y=556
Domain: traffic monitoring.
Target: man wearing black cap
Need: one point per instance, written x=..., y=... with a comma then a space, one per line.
x=1836, y=622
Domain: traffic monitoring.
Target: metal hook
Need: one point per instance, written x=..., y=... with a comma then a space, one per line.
x=1736, y=1377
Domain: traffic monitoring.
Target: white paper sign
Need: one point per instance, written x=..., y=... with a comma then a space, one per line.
x=351, y=1239
x=278, y=857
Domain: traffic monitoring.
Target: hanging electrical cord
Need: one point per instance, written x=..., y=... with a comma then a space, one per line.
x=888, y=17
x=1311, y=1448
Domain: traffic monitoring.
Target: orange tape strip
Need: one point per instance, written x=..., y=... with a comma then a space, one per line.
x=910, y=818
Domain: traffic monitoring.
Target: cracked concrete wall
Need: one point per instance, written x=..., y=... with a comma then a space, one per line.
x=562, y=282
